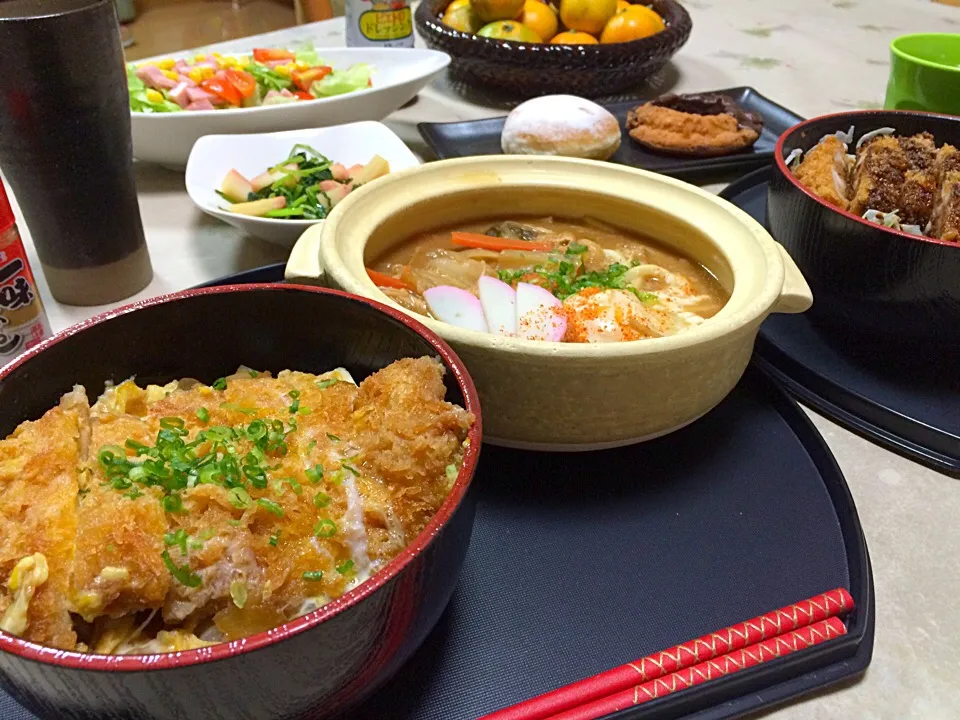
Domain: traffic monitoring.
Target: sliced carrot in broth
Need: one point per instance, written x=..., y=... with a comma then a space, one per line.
x=485, y=242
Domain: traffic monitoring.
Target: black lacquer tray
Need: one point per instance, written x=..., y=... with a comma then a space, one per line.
x=580, y=562
x=482, y=137
x=881, y=391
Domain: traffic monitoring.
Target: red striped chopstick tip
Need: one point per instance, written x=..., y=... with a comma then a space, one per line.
x=771, y=649
x=786, y=619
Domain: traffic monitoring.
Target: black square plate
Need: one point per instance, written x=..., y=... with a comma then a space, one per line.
x=482, y=137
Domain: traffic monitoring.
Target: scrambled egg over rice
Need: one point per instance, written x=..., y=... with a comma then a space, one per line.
x=167, y=518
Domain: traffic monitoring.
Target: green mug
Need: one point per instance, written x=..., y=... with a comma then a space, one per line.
x=925, y=73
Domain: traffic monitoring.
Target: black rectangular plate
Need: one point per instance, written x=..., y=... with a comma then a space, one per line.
x=580, y=562
x=858, y=387
x=482, y=137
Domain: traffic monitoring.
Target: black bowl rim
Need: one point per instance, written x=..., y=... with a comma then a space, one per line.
x=781, y=166
x=133, y=663
x=512, y=48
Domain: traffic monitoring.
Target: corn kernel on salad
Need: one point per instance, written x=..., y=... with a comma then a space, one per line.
x=222, y=82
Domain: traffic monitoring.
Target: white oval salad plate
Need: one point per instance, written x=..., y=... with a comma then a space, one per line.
x=249, y=157
x=396, y=76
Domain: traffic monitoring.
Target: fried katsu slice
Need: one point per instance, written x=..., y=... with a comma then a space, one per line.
x=119, y=567
x=408, y=435
x=896, y=174
x=38, y=522
x=824, y=171
x=945, y=223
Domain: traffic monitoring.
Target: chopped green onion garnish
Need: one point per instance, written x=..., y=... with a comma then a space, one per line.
x=133, y=494
x=452, y=472
x=351, y=468
x=325, y=528
x=203, y=415
x=220, y=384
x=181, y=574
x=239, y=498
x=253, y=373
x=332, y=437
x=270, y=506
x=313, y=575
x=238, y=592
x=178, y=538
x=169, y=423
x=324, y=384
x=275, y=538
x=345, y=568
x=321, y=499
x=314, y=474
x=237, y=408
x=172, y=503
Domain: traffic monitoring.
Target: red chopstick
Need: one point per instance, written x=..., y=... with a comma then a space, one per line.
x=761, y=652
x=680, y=657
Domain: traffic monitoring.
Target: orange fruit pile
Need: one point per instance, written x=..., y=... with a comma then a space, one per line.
x=575, y=22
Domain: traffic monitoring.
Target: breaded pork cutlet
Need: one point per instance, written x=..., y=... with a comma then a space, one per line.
x=945, y=223
x=896, y=174
x=824, y=171
x=169, y=518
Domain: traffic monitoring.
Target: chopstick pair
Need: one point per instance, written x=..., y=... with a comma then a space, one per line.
x=775, y=634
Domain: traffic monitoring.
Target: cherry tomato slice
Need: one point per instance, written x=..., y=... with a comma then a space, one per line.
x=244, y=82
x=223, y=90
x=304, y=95
x=272, y=55
x=304, y=79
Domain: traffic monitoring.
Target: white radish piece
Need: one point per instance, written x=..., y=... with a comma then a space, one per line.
x=540, y=315
x=499, y=302
x=455, y=306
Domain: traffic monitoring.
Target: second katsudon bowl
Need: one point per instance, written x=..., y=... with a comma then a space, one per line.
x=549, y=271
x=870, y=280
x=59, y=525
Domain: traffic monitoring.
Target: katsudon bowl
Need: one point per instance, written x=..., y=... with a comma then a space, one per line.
x=561, y=395
x=871, y=282
x=321, y=663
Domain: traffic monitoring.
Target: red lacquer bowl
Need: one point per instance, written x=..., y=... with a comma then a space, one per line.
x=315, y=666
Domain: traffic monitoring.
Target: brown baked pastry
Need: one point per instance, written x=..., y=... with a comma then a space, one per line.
x=699, y=125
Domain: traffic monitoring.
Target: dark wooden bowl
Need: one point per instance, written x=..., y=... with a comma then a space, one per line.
x=529, y=70
x=868, y=280
x=314, y=666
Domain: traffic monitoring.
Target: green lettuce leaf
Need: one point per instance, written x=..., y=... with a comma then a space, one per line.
x=308, y=54
x=356, y=77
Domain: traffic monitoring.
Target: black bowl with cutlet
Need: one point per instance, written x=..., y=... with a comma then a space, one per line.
x=871, y=281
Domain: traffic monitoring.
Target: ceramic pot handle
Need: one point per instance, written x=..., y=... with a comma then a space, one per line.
x=304, y=266
x=795, y=296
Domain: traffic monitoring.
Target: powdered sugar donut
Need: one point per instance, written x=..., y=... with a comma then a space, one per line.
x=561, y=125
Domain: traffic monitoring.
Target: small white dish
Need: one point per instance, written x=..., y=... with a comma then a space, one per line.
x=399, y=74
x=213, y=156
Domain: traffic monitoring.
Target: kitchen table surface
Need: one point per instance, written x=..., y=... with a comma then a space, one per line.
x=814, y=57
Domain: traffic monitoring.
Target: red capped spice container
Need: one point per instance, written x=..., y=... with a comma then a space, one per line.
x=23, y=321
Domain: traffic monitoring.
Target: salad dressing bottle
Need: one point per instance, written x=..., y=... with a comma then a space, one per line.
x=379, y=23
x=23, y=322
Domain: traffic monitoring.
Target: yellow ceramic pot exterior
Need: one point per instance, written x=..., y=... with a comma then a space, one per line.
x=562, y=395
